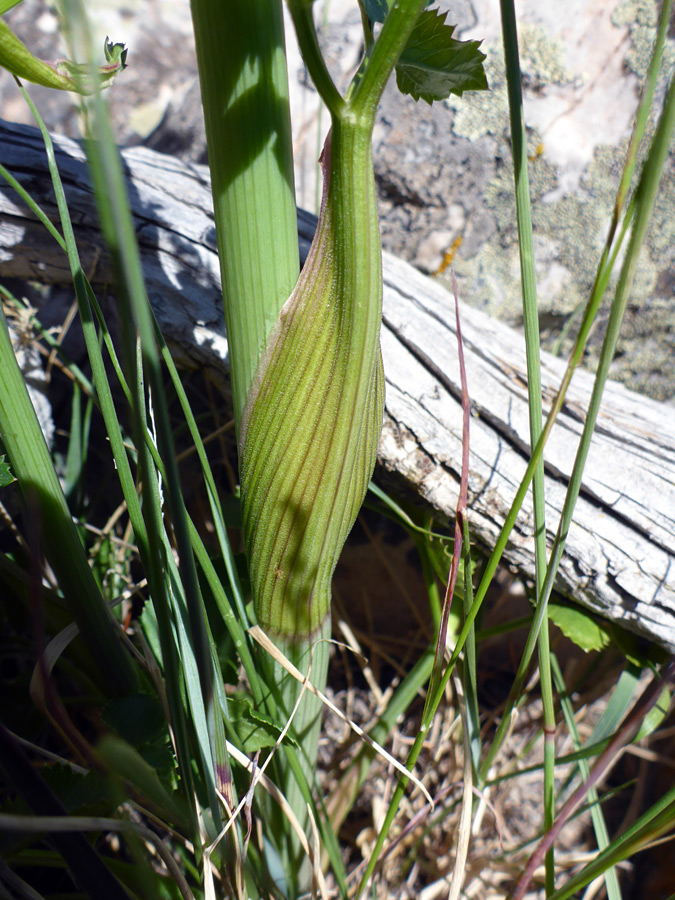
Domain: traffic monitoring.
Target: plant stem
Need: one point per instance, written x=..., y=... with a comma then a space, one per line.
x=531, y=322
x=396, y=30
x=311, y=425
x=242, y=71
x=301, y=12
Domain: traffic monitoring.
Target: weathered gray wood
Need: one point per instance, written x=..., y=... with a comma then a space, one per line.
x=620, y=557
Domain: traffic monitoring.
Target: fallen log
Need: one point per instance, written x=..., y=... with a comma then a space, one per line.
x=620, y=554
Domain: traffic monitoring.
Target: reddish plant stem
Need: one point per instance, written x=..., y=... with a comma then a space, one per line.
x=627, y=732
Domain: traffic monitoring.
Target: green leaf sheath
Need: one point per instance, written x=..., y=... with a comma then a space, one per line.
x=313, y=417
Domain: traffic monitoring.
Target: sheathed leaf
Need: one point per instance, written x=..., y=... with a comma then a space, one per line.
x=313, y=417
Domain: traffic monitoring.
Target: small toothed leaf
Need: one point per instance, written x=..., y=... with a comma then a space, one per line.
x=256, y=731
x=115, y=55
x=435, y=65
x=6, y=476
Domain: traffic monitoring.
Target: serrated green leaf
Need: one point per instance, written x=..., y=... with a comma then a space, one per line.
x=579, y=626
x=256, y=731
x=435, y=65
x=6, y=476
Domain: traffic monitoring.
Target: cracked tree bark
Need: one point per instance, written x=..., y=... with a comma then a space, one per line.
x=620, y=556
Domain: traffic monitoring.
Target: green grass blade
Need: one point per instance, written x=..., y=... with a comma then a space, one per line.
x=629, y=729
x=602, y=279
x=619, y=702
x=84, y=296
x=214, y=499
x=653, y=824
x=644, y=202
x=232, y=622
x=31, y=204
x=597, y=817
x=84, y=293
x=640, y=209
x=33, y=466
x=117, y=225
x=78, y=444
x=6, y=5
x=642, y=114
x=532, y=349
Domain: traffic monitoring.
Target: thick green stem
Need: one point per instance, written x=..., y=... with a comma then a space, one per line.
x=311, y=657
x=242, y=71
x=309, y=434
x=310, y=428
x=386, y=50
x=310, y=394
x=303, y=19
